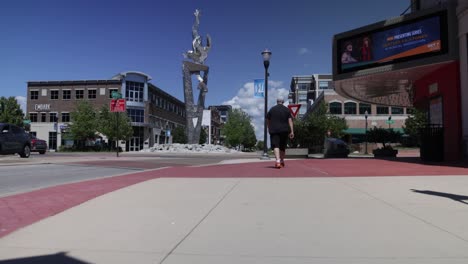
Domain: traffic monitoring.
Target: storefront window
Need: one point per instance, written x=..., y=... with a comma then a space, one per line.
x=363, y=108
x=382, y=110
x=397, y=110
x=136, y=115
x=350, y=108
x=134, y=91
x=335, y=108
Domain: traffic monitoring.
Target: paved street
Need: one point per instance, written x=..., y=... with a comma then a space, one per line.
x=245, y=211
x=19, y=175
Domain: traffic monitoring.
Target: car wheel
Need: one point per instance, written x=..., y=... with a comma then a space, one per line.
x=41, y=152
x=26, y=152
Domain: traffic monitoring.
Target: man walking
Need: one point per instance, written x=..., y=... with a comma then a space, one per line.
x=280, y=125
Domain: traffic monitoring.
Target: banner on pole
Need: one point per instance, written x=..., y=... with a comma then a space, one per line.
x=259, y=88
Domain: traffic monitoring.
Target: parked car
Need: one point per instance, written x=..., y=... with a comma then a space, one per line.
x=14, y=139
x=38, y=145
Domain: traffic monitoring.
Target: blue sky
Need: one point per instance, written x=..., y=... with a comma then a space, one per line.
x=96, y=39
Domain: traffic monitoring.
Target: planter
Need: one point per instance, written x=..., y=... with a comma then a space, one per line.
x=297, y=152
x=385, y=153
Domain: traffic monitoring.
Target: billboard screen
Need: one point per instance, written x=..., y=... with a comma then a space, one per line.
x=403, y=42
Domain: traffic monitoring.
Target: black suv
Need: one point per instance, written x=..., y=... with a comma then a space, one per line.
x=14, y=139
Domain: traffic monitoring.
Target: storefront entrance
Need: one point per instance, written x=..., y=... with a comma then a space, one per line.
x=136, y=141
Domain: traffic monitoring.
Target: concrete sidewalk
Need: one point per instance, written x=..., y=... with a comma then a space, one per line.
x=324, y=219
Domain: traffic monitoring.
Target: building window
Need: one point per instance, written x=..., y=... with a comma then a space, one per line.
x=136, y=115
x=79, y=94
x=66, y=94
x=65, y=117
x=53, y=117
x=350, y=108
x=43, y=117
x=324, y=85
x=33, y=117
x=410, y=111
x=382, y=110
x=363, y=108
x=397, y=110
x=34, y=95
x=111, y=91
x=302, y=98
x=54, y=94
x=303, y=86
x=92, y=94
x=335, y=108
x=302, y=110
x=134, y=91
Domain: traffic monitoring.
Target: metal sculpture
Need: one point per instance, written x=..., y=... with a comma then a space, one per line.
x=198, y=54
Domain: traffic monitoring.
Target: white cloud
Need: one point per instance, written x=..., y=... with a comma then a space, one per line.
x=303, y=51
x=246, y=101
x=22, y=102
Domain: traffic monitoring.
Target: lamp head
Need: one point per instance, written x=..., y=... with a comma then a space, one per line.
x=266, y=55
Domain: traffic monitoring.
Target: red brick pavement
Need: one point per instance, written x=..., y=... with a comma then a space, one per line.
x=20, y=210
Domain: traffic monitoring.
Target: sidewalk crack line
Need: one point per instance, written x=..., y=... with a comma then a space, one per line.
x=199, y=223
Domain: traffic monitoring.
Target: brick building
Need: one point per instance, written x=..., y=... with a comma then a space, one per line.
x=154, y=113
x=319, y=88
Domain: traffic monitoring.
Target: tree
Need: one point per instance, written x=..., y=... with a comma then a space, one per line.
x=179, y=135
x=260, y=144
x=414, y=123
x=115, y=126
x=203, y=136
x=249, y=139
x=10, y=111
x=84, y=123
x=239, y=130
x=383, y=136
x=312, y=131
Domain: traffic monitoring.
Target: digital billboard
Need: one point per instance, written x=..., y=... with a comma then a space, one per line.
x=401, y=42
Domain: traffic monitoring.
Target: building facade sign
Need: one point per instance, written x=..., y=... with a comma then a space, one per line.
x=422, y=37
x=42, y=107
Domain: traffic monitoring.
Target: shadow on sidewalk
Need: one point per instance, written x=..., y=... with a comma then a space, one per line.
x=59, y=258
x=455, y=197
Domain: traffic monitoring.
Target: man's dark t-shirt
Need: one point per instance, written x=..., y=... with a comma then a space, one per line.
x=278, y=117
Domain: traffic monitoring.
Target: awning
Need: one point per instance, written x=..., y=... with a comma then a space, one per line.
x=362, y=131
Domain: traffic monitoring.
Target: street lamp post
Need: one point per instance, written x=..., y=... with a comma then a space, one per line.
x=365, y=114
x=266, y=62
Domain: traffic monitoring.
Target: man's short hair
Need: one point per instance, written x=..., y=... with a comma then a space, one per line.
x=280, y=100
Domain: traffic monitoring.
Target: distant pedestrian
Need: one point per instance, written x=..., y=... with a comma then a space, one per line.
x=280, y=125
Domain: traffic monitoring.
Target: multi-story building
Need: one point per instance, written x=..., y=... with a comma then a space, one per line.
x=154, y=113
x=419, y=59
x=303, y=92
x=353, y=111
x=223, y=112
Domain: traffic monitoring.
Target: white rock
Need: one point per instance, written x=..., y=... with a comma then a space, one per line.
x=189, y=148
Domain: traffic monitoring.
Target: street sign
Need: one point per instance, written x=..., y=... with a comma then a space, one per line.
x=390, y=121
x=117, y=105
x=27, y=122
x=116, y=95
x=294, y=108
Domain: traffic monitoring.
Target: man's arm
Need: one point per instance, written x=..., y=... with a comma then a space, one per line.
x=291, y=128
